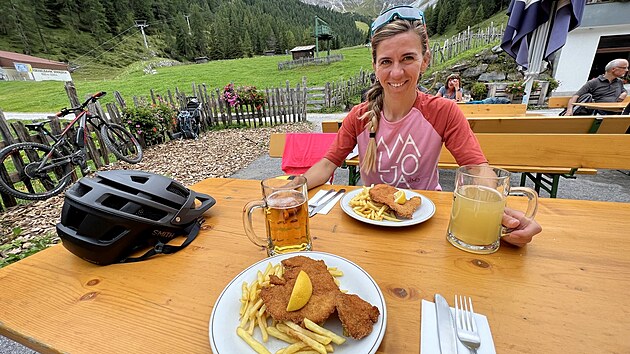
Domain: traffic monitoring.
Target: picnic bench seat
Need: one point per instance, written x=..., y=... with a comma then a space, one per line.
x=493, y=110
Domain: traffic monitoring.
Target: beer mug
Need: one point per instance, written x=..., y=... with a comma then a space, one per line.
x=285, y=208
x=478, y=202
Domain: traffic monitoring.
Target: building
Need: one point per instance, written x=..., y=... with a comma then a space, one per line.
x=603, y=35
x=305, y=51
x=22, y=67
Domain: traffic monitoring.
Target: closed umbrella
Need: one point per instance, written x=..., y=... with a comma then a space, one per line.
x=536, y=29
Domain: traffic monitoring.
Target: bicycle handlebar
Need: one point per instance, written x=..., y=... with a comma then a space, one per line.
x=65, y=111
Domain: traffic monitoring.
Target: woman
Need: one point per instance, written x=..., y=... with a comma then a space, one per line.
x=452, y=90
x=400, y=130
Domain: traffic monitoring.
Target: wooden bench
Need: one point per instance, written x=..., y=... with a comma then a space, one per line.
x=492, y=110
x=562, y=101
x=555, y=124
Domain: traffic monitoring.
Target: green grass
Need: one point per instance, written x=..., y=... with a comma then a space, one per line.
x=261, y=71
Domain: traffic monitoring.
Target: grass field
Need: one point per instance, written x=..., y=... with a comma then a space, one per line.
x=262, y=71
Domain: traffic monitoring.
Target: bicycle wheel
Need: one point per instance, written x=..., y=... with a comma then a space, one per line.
x=22, y=176
x=121, y=143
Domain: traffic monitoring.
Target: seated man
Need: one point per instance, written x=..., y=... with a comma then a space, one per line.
x=604, y=88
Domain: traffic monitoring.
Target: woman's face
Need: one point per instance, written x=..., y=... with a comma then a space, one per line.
x=451, y=82
x=399, y=63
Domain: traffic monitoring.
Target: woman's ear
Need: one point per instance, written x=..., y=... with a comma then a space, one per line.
x=426, y=60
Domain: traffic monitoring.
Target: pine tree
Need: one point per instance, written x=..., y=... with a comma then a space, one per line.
x=479, y=14
x=464, y=20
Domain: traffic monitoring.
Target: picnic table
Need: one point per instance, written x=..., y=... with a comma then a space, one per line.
x=567, y=291
x=604, y=106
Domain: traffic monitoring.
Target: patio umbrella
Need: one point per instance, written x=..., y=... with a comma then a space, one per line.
x=536, y=29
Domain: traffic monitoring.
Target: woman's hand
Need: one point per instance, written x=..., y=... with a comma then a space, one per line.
x=456, y=84
x=522, y=229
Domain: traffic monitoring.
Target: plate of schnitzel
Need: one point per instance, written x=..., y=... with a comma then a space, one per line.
x=224, y=319
x=423, y=213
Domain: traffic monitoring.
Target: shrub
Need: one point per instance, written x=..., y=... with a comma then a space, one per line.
x=553, y=84
x=515, y=88
x=243, y=95
x=151, y=122
x=479, y=91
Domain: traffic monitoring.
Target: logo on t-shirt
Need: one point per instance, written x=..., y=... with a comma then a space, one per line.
x=397, y=161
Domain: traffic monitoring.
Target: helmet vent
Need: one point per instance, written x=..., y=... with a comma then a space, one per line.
x=112, y=234
x=129, y=207
x=81, y=189
x=139, y=179
x=177, y=189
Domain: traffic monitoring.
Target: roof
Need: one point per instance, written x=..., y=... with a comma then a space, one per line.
x=303, y=48
x=8, y=58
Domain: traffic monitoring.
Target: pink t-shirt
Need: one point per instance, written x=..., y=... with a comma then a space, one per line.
x=408, y=150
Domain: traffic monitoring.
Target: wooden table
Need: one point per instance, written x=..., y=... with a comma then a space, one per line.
x=568, y=291
x=604, y=106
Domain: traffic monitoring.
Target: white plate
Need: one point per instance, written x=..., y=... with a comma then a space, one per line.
x=424, y=213
x=224, y=318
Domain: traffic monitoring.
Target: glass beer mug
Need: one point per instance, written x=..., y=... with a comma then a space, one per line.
x=285, y=209
x=478, y=202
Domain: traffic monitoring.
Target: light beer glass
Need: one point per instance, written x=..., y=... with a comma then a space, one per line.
x=479, y=200
x=285, y=210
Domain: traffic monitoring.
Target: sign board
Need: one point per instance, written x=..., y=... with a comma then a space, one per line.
x=23, y=68
x=51, y=75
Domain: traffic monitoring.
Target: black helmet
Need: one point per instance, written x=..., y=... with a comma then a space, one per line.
x=106, y=218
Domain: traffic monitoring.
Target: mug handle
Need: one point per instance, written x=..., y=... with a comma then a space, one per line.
x=247, y=222
x=532, y=204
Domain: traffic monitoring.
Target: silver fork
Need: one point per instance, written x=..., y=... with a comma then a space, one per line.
x=466, y=326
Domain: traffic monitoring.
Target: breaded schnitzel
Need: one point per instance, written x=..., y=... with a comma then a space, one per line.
x=384, y=194
x=357, y=316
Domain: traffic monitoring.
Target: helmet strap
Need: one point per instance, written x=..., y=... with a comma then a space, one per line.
x=163, y=248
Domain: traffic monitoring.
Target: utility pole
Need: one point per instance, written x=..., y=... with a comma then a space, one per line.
x=188, y=22
x=142, y=24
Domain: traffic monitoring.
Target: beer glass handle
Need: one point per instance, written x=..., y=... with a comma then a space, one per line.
x=532, y=204
x=247, y=222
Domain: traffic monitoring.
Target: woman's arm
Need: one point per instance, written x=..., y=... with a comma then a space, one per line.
x=458, y=95
x=319, y=173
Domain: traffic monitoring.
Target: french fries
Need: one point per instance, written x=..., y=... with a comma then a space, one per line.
x=363, y=205
x=252, y=312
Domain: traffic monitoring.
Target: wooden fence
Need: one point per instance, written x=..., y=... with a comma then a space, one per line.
x=463, y=41
x=286, y=65
x=336, y=93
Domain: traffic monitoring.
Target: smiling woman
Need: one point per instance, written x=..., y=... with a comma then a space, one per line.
x=400, y=130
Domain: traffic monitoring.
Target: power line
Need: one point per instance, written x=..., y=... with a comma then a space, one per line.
x=109, y=40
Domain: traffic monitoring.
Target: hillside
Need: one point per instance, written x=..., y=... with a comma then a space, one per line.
x=88, y=33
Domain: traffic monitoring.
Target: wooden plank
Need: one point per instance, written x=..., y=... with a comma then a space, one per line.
x=492, y=109
x=597, y=151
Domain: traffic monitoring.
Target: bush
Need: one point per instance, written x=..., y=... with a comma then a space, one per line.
x=515, y=88
x=243, y=95
x=151, y=122
x=479, y=91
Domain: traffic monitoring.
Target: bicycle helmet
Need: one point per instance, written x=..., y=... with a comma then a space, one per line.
x=106, y=218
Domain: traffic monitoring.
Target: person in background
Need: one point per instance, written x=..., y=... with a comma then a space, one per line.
x=400, y=130
x=452, y=90
x=604, y=88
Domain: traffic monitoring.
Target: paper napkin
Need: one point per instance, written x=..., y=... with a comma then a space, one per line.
x=330, y=205
x=429, y=340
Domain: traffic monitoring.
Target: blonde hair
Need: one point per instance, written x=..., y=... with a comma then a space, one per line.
x=375, y=93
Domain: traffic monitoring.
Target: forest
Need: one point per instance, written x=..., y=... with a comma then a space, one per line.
x=460, y=13
x=64, y=30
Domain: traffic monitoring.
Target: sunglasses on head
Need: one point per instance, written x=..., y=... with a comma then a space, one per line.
x=404, y=12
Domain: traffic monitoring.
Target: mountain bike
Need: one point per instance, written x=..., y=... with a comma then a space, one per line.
x=43, y=171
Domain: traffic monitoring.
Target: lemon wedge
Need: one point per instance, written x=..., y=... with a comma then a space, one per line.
x=301, y=293
x=400, y=198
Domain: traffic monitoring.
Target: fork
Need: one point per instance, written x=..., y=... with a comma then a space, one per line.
x=466, y=326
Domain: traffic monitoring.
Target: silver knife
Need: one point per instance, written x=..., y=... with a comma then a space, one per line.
x=446, y=327
x=314, y=203
x=324, y=201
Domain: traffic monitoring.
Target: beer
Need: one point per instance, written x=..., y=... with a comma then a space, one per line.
x=286, y=219
x=476, y=215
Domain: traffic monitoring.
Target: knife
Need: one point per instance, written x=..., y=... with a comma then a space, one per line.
x=324, y=201
x=314, y=203
x=446, y=328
